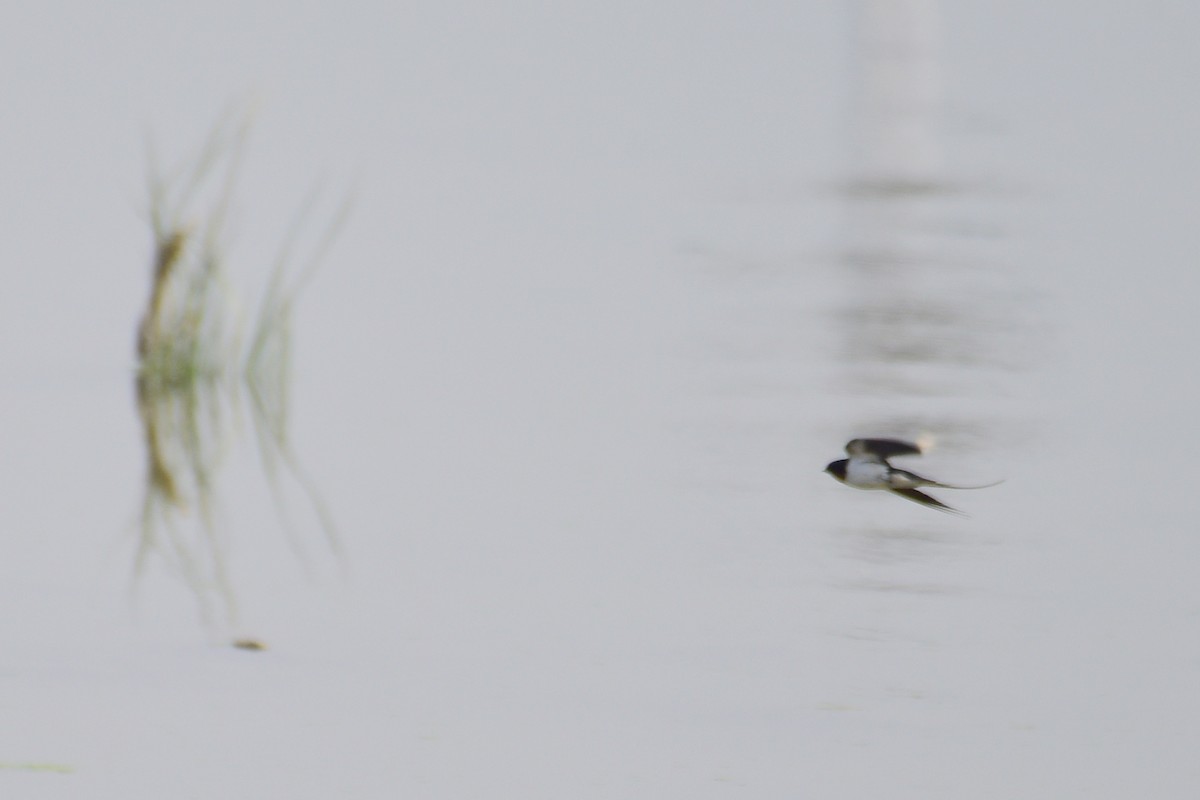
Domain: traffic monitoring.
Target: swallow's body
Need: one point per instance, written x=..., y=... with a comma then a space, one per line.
x=868, y=468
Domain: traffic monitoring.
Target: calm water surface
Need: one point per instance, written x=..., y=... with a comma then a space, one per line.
x=568, y=384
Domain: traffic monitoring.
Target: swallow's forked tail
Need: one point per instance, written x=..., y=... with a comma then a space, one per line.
x=940, y=485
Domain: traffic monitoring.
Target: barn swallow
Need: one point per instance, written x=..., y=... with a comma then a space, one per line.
x=868, y=468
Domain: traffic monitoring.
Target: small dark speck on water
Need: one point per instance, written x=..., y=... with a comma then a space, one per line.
x=249, y=644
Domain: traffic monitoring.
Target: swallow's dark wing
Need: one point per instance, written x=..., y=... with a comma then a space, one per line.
x=926, y=500
x=880, y=449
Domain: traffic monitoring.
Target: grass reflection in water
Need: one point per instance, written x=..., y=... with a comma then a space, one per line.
x=199, y=377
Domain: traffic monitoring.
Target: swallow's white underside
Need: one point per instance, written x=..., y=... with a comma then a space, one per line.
x=864, y=474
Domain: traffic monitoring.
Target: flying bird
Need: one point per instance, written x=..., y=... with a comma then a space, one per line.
x=868, y=468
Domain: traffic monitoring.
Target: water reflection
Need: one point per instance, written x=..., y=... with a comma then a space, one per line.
x=197, y=380
x=929, y=314
x=896, y=100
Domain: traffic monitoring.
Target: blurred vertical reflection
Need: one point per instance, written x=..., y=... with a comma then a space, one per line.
x=926, y=314
x=896, y=99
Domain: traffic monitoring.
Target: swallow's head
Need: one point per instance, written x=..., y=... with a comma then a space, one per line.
x=837, y=469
